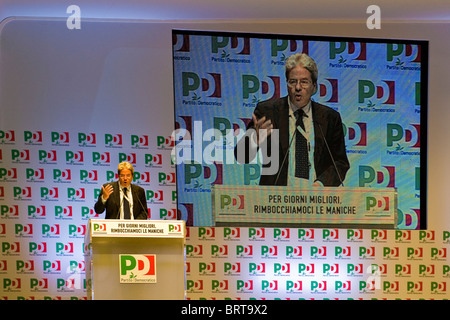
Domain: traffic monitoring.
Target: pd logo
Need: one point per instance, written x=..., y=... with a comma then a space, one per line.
x=244, y=286
x=8, y=211
x=87, y=139
x=382, y=92
x=206, y=233
x=342, y=252
x=35, y=175
x=403, y=53
x=22, y=193
x=287, y=48
x=244, y=251
x=348, y=51
x=64, y=212
x=155, y=196
x=209, y=85
x=88, y=176
x=355, y=235
x=356, y=134
x=63, y=176
x=194, y=251
x=269, y=251
x=75, y=157
x=99, y=227
x=383, y=178
x=181, y=42
x=50, y=231
x=395, y=133
x=256, y=233
x=306, y=234
x=101, y=158
x=294, y=252
x=130, y=157
x=175, y=228
x=318, y=286
x=366, y=252
x=8, y=175
x=414, y=253
x=76, y=194
x=113, y=140
x=165, y=143
x=294, y=286
x=49, y=194
x=60, y=138
x=232, y=203
x=219, y=251
x=139, y=142
x=166, y=179
x=269, y=286
x=318, y=252
x=281, y=234
x=33, y=138
x=377, y=203
x=20, y=156
x=268, y=87
x=328, y=90
x=7, y=137
x=137, y=268
x=47, y=157
x=231, y=233
x=197, y=171
x=64, y=249
x=10, y=248
x=23, y=230
x=224, y=44
x=153, y=160
x=37, y=248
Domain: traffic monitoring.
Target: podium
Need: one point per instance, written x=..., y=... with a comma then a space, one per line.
x=309, y=207
x=135, y=260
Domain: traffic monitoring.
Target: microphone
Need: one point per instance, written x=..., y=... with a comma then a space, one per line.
x=120, y=204
x=297, y=123
x=329, y=152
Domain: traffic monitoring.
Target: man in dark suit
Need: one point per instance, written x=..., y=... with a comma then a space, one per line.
x=121, y=199
x=318, y=126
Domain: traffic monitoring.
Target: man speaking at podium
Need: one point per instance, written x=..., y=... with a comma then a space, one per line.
x=121, y=199
x=311, y=146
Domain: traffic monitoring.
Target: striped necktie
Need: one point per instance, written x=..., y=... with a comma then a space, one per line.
x=126, y=205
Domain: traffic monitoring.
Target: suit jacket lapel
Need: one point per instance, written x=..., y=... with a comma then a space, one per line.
x=320, y=127
x=134, y=199
x=283, y=124
x=116, y=194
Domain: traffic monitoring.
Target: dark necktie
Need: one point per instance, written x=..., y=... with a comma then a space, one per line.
x=126, y=205
x=301, y=148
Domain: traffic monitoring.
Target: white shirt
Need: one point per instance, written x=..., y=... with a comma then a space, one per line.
x=130, y=200
x=308, y=133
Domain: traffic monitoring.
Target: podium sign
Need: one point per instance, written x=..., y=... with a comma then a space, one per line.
x=137, y=228
x=309, y=207
x=140, y=259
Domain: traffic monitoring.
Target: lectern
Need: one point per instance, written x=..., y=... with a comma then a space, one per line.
x=138, y=260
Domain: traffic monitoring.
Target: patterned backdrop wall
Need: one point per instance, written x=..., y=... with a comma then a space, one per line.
x=53, y=162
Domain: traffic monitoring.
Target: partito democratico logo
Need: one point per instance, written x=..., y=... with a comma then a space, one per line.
x=137, y=268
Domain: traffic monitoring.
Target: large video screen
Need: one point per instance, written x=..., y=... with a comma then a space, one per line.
x=368, y=124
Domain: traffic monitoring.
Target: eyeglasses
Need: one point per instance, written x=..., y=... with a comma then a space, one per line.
x=125, y=175
x=304, y=83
